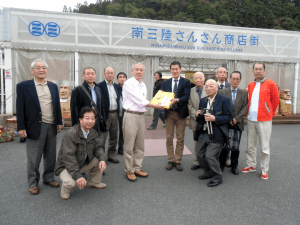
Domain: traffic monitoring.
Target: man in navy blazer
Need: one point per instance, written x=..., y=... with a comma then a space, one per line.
x=211, y=133
x=176, y=115
x=39, y=120
x=111, y=93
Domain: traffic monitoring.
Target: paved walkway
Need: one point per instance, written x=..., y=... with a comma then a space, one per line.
x=165, y=197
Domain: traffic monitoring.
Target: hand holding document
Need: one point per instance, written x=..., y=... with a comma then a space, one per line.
x=164, y=98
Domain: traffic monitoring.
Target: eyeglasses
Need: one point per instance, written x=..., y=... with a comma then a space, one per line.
x=235, y=79
x=40, y=68
x=257, y=69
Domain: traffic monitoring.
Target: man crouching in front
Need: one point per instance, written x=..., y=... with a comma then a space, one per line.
x=80, y=152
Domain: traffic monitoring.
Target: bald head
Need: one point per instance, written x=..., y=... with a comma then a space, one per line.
x=211, y=87
x=199, y=79
x=221, y=74
x=109, y=74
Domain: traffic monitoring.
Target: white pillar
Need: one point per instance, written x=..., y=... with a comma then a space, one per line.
x=2, y=83
x=8, y=81
x=295, y=88
x=76, y=58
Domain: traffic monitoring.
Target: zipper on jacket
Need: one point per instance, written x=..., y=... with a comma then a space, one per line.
x=266, y=104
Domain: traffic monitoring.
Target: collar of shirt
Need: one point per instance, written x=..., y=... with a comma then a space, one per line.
x=140, y=83
x=219, y=83
x=197, y=89
x=262, y=80
x=107, y=83
x=93, y=88
x=37, y=83
x=176, y=79
x=85, y=134
x=235, y=89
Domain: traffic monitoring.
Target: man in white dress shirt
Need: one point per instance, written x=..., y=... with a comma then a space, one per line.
x=134, y=102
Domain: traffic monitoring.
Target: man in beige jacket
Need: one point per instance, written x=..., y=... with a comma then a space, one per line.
x=193, y=105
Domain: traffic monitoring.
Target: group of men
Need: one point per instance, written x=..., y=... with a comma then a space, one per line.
x=117, y=110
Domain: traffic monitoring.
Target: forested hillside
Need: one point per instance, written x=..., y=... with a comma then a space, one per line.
x=274, y=14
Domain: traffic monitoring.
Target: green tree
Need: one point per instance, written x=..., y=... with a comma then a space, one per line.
x=224, y=20
x=114, y=9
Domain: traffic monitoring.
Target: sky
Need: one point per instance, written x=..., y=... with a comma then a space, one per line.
x=52, y=5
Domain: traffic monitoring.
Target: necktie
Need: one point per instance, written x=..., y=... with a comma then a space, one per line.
x=233, y=96
x=222, y=86
x=199, y=93
x=175, y=94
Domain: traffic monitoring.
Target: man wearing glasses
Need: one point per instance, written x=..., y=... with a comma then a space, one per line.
x=263, y=101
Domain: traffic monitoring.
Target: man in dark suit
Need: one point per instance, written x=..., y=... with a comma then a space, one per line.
x=39, y=120
x=222, y=76
x=80, y=99
x=213, y=115
x=111, y=97
x=239, y=103
x=121, y=78
x=158, y=113
x=176, y=115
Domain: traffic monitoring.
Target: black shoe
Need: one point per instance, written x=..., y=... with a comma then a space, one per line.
x=214, y=183
x=222, y=168
x=151, y=128
x=194, y=167
x=178, y=167
x=103, y=173
x=204, y=176
x=22, y=140
x=235, y=171
x=113, y=160
x=120, y=152
x=170, y=166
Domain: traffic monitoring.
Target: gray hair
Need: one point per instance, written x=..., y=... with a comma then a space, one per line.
x=198, y=73
x=32, y=65
x=88, y=68
x=212, y=81
x=137, y=64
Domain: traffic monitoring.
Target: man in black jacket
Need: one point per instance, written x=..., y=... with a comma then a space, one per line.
x=79, y=98
x=111, y=93
x=157, y=112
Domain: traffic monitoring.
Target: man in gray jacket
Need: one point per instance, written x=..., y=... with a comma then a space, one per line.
x=81, y=152
x=196, y=94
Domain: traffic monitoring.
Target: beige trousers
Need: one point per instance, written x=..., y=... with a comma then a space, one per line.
x=134, y=146
x=69, y=183
x=263, y=131
x=174, y=120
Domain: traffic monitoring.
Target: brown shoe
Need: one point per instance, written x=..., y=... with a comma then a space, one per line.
x=131, y=177
x=98, y=186
x=53, y=184
x=178, y=167
x=33, y=190
x=141, y=173
x=113, y=160
x=170, y=166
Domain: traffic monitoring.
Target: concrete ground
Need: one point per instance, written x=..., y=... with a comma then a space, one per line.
x=165, y=197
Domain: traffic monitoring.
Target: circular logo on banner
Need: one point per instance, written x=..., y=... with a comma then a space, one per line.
x=36, y=28
x=52, y=29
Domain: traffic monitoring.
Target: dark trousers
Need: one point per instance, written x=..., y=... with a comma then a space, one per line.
x=158, y=113
x=208, y=156
x=44, y=146
x=235, y=153
x=121, y=138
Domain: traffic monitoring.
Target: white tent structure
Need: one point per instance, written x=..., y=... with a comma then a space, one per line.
x=70, y=42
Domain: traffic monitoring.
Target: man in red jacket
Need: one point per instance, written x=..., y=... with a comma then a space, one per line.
x=262, y=104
